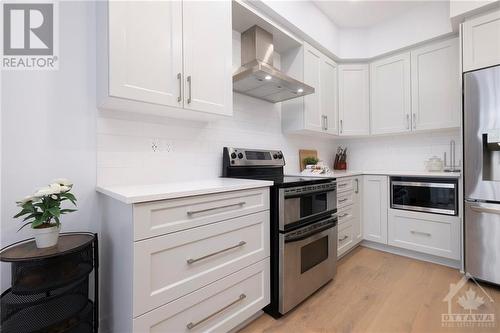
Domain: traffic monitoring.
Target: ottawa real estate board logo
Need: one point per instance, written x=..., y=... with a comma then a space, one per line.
x=30, y=36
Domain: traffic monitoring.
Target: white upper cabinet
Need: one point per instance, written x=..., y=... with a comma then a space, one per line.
x=313, y=115
x=329, y=96
x=436, y=86
x=390, y=94
x=207, y=40
x=317, y=112
x=165, y=57
x=145, y=51
x=354, y=99
x=481, y=41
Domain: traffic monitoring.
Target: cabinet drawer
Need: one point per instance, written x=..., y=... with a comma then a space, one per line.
x=346, y=213
x=163, y=217
x=171, y=266
x=345, y=238
x=218, y=307
x=345, y=199
x=345, y=184
x=421, y=232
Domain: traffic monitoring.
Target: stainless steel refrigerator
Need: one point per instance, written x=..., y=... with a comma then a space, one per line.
x=482, y=173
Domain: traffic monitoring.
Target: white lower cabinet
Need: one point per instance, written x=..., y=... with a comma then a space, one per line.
x=191, y=264
x=218, y=307
x=375, y=206
x=434, y=234
x=349, y=214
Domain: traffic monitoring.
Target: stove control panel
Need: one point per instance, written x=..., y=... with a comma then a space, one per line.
x=253, y=157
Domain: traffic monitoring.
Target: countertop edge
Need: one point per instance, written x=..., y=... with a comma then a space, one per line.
x=455, y=175
x=142, y=198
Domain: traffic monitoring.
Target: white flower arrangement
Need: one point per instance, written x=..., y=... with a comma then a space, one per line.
x=43, y=207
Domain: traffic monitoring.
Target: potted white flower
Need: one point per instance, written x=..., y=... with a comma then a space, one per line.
x=43, y=211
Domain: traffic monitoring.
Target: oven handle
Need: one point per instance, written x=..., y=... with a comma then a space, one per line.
x=314, y=232
x=423, y=184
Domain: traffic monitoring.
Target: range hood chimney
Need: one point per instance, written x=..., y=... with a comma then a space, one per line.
x=257, y=77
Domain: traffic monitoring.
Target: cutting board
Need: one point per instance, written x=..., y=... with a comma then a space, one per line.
x=303, y=153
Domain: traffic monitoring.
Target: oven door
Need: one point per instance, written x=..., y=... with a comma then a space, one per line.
x=425, y=196
x=308, y=260
x=300, y=208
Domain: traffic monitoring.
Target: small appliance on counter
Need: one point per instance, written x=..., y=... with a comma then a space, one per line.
x=434, y=164
x=303, y=225
x=340, y=162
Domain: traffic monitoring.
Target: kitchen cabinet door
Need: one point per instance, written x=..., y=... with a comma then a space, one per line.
x=375, y=208
x=357, y=211
x=145, y=51
x=436, y=94
x=481, y=41
x=313, y=115
x=354, y=99
x=329, y=95
x=207, y=49
x=390, y=95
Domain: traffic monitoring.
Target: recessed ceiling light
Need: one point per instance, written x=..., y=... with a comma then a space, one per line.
x=268, y=77
x=300, y=90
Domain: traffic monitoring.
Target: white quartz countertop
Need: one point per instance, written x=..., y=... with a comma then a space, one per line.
x=144, y=193
x=349, y=173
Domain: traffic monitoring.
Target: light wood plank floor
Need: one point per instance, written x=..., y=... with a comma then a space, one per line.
x=378, y=292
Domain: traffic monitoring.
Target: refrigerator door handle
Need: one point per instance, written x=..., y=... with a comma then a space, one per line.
x=485, y=208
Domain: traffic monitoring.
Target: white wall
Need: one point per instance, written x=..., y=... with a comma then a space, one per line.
x=48, y=121
x=124, y=141
x=406, y=152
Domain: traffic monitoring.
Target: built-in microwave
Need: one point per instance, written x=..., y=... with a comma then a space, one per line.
x=430, y=195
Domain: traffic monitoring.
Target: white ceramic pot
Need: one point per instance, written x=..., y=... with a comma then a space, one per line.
x=46, y=237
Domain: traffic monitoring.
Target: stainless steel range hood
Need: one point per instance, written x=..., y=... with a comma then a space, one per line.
x=257, y=77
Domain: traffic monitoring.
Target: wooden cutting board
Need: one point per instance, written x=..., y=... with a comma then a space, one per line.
x=303, y=153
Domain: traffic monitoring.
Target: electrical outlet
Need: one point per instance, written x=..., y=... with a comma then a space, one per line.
x=155, y=145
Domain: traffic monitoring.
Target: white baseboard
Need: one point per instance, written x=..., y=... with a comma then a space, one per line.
x=412, y=254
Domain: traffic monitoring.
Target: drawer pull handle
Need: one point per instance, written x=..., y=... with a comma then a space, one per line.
x=343, y=200
x=420, y=233
x=343, y=215
x=192, y=325
x=192, y=212
x=343, y=238
x=343, y=185
x=192, y=261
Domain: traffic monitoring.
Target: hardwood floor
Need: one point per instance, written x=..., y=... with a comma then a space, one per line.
x=378, y=292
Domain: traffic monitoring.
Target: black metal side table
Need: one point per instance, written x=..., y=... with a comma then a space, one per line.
x=50, y=287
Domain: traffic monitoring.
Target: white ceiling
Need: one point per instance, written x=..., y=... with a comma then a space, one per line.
x=364, y=13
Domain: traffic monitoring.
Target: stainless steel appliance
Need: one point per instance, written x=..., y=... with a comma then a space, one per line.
x=257, y=76
x=303, y=225
x=430, y=195
x=482, y=173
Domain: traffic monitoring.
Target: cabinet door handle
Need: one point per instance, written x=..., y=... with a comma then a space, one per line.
x=192, y=325
x=341, y=126
x=420, y=233
x=414, y=121
x=407, y=121
x=192, y=261
x=326, y=123
x=357, y=185
x=343, y=238
x=189, y=89
x=179, y=77
x=192, y=212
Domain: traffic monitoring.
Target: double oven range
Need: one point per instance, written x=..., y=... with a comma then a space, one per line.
x=303, y=225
